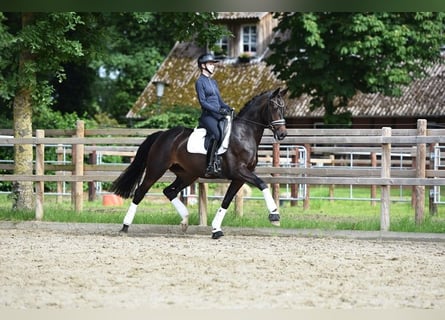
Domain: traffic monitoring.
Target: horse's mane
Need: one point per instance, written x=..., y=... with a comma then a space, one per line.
x=252, y=102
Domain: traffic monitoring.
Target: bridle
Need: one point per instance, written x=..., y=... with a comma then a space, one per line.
x=280, y=106
x=275, y=123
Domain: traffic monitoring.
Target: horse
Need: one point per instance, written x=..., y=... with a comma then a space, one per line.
x=167, y=150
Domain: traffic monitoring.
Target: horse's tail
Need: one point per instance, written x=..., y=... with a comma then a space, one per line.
x=126, y=184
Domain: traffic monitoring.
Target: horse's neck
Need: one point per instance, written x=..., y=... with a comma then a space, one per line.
x=253, y=122
x=253, y=130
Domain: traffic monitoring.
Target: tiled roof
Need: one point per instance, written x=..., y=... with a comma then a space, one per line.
x=240, y=82
x=424, y=97
x=240, y=15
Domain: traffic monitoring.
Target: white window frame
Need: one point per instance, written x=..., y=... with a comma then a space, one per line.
x=251, y=47
x=223, y=43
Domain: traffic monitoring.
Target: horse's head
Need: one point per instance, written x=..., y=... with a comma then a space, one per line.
x=276, y=108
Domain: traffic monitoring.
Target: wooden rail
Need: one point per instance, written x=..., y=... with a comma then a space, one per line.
x=319, y=143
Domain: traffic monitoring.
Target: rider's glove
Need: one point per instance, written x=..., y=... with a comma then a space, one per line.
x=224, y=111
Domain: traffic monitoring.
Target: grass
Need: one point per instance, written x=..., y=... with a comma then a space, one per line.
x=322, y=214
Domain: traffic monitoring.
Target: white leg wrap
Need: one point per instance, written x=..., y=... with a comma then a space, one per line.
x=130, y=214
x=180, y=207
x=270, y=202
x=217, y=220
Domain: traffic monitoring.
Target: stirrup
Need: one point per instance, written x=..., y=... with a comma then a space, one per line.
x=217, y=164
x=213, y=170
x=210, y=171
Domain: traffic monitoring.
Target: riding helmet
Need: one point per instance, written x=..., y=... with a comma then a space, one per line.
x=206, y=57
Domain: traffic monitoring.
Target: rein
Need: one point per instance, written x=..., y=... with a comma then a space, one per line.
x=251, y=121
x=271, y=125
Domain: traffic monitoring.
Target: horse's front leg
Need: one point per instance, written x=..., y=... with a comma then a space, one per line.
x=250, y=177
x=274, y=215
x=219, y=216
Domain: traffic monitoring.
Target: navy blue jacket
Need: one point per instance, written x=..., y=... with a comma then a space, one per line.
x=209, y=97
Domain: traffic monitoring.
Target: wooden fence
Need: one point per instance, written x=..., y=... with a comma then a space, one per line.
x=317, y=142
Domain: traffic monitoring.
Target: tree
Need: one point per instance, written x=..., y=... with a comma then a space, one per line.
x=197, y=26
x=135, y=47
x=332, y=56
x=40, y=42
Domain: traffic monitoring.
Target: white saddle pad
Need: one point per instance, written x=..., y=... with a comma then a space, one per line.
x=195, y=144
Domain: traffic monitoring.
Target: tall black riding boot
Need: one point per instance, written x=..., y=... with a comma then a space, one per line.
x=212, y=168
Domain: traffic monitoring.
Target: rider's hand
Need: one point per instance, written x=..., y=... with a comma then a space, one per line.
x=224, y=111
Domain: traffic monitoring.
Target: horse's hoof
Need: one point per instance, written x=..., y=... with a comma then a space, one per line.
x=184, y=227
x=184, y=224
x=124, y=230
x=274, y=219
x=217, y=234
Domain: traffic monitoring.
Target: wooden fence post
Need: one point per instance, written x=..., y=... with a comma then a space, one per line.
x=40, y=171
x=431, y=205
x=78, y=167
x=203, y=188
x=413, y=188
x=294, y=187
x=385, y=189
x=239, y=203
x=92, y=184
x=420, y=172
x=331, y=186
x=373, y=187
x=306, y=201
x=59, y=184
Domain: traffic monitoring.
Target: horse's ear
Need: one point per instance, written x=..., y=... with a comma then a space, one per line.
x=275, y=93
x=283, y=92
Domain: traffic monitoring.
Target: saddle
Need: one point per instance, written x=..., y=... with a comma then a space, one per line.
x=198, y=141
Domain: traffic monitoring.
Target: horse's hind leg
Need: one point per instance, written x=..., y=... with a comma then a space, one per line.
x=171, y=192
x=138, y=196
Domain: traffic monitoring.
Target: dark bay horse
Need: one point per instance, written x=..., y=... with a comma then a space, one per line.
x=167, y=150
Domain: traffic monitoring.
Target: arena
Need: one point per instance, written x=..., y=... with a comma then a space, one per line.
x=71, y=266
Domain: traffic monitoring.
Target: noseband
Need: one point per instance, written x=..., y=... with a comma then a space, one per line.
x=279, y=122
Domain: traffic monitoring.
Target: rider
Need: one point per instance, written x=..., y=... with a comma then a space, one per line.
x=214, y=109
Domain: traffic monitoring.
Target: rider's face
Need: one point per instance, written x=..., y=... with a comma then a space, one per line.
x=210, y=66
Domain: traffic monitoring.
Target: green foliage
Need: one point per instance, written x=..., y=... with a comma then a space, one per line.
x=44, y=41
x=135, y=47
x=196, y=26
x=338, y=120
x=46, y=118
x=172, y=117
x=6, y=40
x=332, y=56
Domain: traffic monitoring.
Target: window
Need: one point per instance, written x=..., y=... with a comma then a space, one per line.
x=248, y=39
x=221, y=46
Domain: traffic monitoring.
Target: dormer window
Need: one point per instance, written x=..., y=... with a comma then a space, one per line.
x=249, y=39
